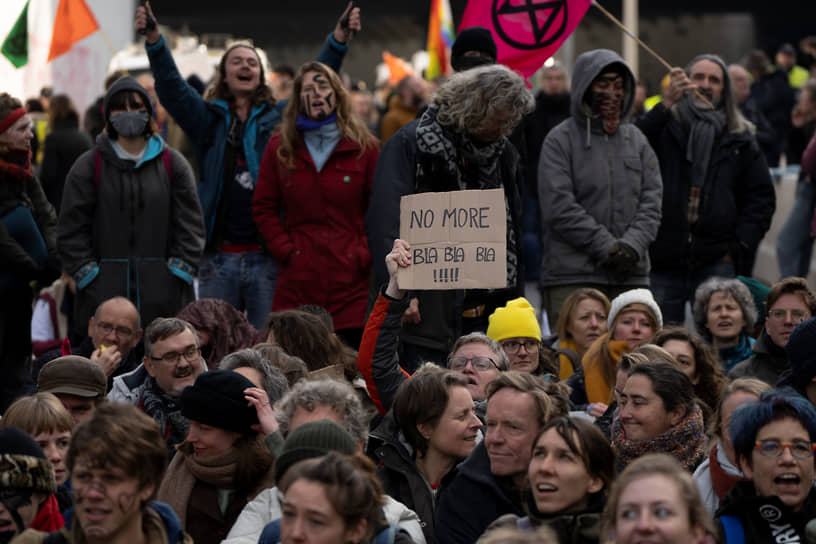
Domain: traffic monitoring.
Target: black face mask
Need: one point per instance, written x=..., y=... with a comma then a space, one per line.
x=130, y=124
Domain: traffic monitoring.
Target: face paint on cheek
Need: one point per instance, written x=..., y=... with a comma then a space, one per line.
x=330, y=100
x=126, y=502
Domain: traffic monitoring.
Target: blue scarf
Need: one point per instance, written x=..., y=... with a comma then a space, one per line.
x=321, y=137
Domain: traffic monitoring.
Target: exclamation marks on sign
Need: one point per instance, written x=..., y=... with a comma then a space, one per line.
x=446, y=275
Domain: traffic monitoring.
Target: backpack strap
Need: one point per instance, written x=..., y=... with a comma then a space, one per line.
x=97, y=168
x=734, y=532
x=167, y=160
x=573, y=357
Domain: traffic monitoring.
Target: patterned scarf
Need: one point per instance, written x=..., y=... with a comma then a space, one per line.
x=15, y=165
x=686, y=441
x=705, y=125
x=607, y=106
x=480, y=162
x=167, y=411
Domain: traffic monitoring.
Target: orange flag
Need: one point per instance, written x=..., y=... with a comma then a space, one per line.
x=74, y=21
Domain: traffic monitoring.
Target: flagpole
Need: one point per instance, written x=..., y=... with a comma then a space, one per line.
x=648, y=49
x=108, y=41
x=632, y=35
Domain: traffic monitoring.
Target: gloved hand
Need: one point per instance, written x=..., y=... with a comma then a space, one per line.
x=621, y=261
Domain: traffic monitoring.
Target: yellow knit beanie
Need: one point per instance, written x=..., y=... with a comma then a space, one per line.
x=516, y=320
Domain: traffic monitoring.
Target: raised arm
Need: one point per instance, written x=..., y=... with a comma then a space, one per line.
x=185, y=105
x=377, y=359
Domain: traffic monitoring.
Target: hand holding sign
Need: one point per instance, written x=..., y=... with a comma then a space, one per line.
x=400, y=256
x=457, y=240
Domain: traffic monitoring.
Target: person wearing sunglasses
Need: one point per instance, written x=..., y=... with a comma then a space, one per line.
x=789, y=302
x=480, y=358
x=774, y=444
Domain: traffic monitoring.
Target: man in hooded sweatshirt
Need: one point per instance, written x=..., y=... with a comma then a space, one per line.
x=599, y=188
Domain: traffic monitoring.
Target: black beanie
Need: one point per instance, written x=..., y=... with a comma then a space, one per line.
x=217, y=399
x=475, y=38
x=313, y=439
x=23, y=464
x=127, y=83
x=801, y=354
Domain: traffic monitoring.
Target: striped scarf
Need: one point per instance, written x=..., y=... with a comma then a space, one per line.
x=15, y=165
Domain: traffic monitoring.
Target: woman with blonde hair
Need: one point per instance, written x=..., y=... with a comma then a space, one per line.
x=634, y=317
x=581, y=321
x=656, y=498
x=43, y=417
x=311, y=199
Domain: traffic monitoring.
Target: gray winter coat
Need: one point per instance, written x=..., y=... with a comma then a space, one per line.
x=596, y=189
x=138, y=234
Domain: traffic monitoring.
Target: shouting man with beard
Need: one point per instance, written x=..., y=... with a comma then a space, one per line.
x=718, y=198
x=172, y=361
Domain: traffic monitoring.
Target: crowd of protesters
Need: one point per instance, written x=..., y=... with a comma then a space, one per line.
x=302, y=395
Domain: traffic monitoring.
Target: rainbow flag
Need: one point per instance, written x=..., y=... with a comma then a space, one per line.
x=440, y=39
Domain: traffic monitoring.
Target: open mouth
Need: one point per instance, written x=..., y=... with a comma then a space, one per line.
x=183, y=372
x=245, y=77
x=546, y=488
x=95, y=514
x=787, y=479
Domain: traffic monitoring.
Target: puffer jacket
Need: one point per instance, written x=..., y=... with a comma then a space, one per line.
x=596, y=189
x=138, y=234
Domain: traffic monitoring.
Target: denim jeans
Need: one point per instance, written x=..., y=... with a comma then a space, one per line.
x=672, y=288
x=245, y=280
x=794, y=244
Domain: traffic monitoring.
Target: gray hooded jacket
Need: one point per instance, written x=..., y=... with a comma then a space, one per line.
x=596, y=189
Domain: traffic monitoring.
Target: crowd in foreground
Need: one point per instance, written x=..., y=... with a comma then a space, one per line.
x=358, y=411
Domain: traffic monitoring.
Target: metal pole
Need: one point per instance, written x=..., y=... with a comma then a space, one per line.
x=630, y=47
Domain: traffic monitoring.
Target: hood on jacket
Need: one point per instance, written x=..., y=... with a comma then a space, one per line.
x=155, y=146
x=590, y=65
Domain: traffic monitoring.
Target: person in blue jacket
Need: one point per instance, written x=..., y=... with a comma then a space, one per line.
x=229, y=127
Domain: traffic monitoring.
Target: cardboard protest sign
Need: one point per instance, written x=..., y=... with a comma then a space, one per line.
x=458, y=240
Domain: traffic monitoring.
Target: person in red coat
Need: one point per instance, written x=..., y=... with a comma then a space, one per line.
x=311, y=199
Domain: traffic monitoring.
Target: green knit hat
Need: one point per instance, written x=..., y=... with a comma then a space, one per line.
x=313, y=439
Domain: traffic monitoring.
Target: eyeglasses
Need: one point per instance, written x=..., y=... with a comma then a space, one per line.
x=513, y=346
x=797, y=316
x=478, y=363
x=107, y=328
x=774, y=448
x=190, y=353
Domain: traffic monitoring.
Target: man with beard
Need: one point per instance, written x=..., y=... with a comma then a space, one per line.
x=172, y=361
x=718, y=198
